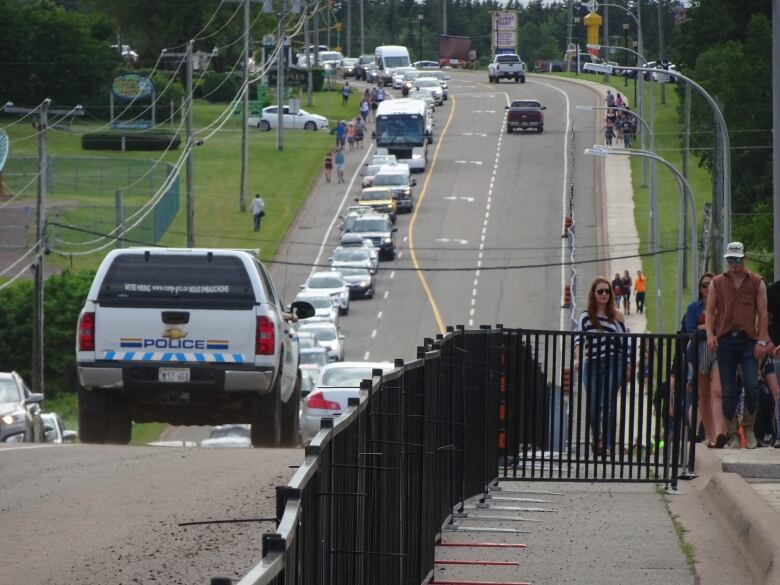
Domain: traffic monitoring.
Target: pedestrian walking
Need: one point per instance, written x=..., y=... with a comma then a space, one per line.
x=625, y=283
x=627, y=132
x=609, y=133
x=617, y=289
x=640, y=286
x=351, y=135
x=360, y=131
x=328, y=166
x=258, y=211
x=345, y=91
x=365, y=108
x=737, y=331
x=710, y=400
x=602, y=362
x=619, y=103
x=341, y=133
x=340, y=165
x=610, y=99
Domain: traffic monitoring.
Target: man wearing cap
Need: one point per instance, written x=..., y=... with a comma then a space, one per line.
x=736, y=323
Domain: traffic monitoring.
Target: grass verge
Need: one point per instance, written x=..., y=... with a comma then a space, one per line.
x=686, y=547
x=668, y=141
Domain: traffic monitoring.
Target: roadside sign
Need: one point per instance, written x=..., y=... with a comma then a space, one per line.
x=4, y=145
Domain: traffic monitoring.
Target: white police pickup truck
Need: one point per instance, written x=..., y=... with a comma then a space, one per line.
x=186, y=337
x=507, y=66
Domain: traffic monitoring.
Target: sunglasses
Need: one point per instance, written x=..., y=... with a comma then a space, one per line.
x=602, y=291
x=734, y=260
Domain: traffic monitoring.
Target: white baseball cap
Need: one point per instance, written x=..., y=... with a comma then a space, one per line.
x=735, y=250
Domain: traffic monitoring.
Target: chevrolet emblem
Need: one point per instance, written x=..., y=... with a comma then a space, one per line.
x=174, y=333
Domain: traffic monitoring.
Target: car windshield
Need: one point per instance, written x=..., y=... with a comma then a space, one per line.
x=325, y=282
x=331, y=56
x=9, y=391
x=409, y=75
x=350, y=254
x=350, y=62
x=239, y=431
x=359, y=272
x=322, y=333
x=438, y=75
x=346, y=376
x=391, y=180
x=371, y=225
x=404, y=129
x=383, y=159
x=427, y=82
x=399, y=61
x=318, y=302
x=315, y=358
x=372, y=170
x=375, y=195
x=306, y=341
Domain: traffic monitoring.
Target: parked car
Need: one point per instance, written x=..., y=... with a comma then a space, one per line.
x=20, y=411
x=379, y=229
x=332, y=284
x=337, y=384
x=302, y=120
x=228, y=436
x=189, y=337
x=54, y=431
x=328, y=336
x=360, y=282
x=352, y=257
x=348, y=66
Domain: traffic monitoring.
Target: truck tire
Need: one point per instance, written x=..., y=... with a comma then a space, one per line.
x=93, y=426
x=119, y=424
x=541, y=129
x=266, y=429
x=517, y=79
x=290, y=417
x=508, y=129
x=522, y=79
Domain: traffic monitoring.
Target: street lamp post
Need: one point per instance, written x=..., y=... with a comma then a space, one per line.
x=625, y=46
x=686, y=194
x=419, y=36
x=722, y=225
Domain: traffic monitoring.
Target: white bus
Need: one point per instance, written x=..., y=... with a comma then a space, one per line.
x=403, y=129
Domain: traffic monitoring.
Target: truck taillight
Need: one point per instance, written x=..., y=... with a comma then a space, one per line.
x=86, y=333
x=265, y=336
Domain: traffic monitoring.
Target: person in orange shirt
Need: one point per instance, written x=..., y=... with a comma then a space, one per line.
x=640, y=286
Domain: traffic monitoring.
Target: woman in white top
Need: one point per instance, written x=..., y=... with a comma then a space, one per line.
x=603, y=360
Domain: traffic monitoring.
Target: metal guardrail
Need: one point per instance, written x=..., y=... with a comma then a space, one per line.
x=380, y=483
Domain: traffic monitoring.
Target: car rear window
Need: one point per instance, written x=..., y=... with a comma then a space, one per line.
x=526, y=104
x=174, y=280
x=508, y=59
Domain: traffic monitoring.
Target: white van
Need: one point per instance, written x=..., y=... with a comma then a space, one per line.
x=390, y=58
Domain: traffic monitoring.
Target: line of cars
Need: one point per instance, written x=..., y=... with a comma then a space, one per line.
x=22, y=419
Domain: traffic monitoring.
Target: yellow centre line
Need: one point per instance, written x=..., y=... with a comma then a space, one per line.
x=420, y=274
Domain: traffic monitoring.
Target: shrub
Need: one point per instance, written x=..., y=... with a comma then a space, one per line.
x=131, y=140
x=221, y=87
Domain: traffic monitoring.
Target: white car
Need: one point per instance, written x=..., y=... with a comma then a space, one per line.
x=328, y=336
x=398, y=76
x=54, y=430
x=302, y=120
x=337, y=384
x=425, y=94
x=438, y=76
x=433, y=85
x=353, y=257
x=426, y=64
x=332, y=284
x=228, y=436
x=324, y=307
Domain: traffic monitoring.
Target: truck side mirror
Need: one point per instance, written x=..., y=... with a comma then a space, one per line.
x=506, y=107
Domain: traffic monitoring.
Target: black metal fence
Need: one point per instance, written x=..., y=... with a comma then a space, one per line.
x=379, y=484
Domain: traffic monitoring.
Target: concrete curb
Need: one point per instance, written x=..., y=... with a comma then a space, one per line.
x=751, y=523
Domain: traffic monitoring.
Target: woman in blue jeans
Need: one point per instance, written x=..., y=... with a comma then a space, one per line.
x=602, y=361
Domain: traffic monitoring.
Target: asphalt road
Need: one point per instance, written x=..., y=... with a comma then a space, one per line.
x=489, y=204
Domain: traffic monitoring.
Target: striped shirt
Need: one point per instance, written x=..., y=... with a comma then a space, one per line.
x=599, y=346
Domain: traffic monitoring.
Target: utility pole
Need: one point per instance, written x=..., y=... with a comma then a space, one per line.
x=776, y=133
x=317, y=35
x=307, y=53
x=349, y=28
x=190, y=145
x=329, y=5
x=444, y=17
x=605, y=42
x=362, y=18
x=661, y=45
x=280, y=81
x=43, y=112
x=245, y=113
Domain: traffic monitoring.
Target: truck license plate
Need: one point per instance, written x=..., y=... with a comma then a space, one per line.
x=173, y=374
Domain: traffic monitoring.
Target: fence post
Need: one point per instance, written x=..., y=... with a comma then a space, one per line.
x=119, y=214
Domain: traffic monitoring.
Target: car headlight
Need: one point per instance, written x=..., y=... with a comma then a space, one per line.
x=388, y=240
x=13, y=417
x=363, y=283
x=416, y=156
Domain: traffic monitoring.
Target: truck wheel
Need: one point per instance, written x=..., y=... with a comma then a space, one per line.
x=93, y=425
x=522, y=79
x=119, y=427
x=508, y=129
x=290, y=417
x=266, y=428
x=517, y=79
x=541, y=129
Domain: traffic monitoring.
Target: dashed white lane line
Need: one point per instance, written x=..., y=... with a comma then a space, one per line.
x=373, y=334
x=392, y=274
x=365, y=356
x=387, y=294
x=405, y=238
x=379, y=315
x=399, y=254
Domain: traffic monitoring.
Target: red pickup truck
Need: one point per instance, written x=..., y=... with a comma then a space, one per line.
x=525, y=114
